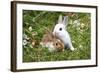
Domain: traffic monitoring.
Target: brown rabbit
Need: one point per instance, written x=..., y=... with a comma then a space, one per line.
x=58, y=45
x=52, y=42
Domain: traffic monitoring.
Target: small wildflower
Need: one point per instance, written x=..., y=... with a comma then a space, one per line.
x=33, y=20
x=73, y=41
x=25, y=42
x=78, y=28
x=82, y=25
x=76, y=22
x=80, y=46
x=81, y=31
x=31, y=46
x=30, y=28
x=33, y=43
x=25, y=37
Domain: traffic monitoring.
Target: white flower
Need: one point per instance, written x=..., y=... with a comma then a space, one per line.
x=80, y=46
x=82, y=25
x=25, y=42
x=33, y=20
x=31, y=46
x=30, y=28
x=76, y=22
x=25, y=37
x=73, y=41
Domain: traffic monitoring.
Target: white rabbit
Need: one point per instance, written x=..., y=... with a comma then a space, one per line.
x=60, y=32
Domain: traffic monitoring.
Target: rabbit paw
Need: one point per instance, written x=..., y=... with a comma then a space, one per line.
x=72, y=49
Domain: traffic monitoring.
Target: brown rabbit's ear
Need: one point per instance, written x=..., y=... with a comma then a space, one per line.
x=47, y=31
x=52, y=27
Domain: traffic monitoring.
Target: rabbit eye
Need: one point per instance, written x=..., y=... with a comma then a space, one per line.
x=56, y=44
x=60, y=29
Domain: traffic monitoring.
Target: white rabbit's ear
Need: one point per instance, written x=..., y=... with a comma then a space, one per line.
x=65, y=21
x=60, y=19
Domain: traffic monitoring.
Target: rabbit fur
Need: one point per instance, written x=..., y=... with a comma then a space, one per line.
x=60, y=32
x=52, y=42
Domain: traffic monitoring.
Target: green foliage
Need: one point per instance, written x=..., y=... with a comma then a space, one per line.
x=78, y=27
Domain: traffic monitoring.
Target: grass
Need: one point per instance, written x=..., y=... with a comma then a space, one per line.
x=78, y=27
x=42, y=54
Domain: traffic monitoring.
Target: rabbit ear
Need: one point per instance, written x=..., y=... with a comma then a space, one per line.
x=65, y=20
x=48, y=31
x=60, y=19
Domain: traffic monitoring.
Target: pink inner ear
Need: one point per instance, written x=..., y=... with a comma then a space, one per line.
x=65, y=20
